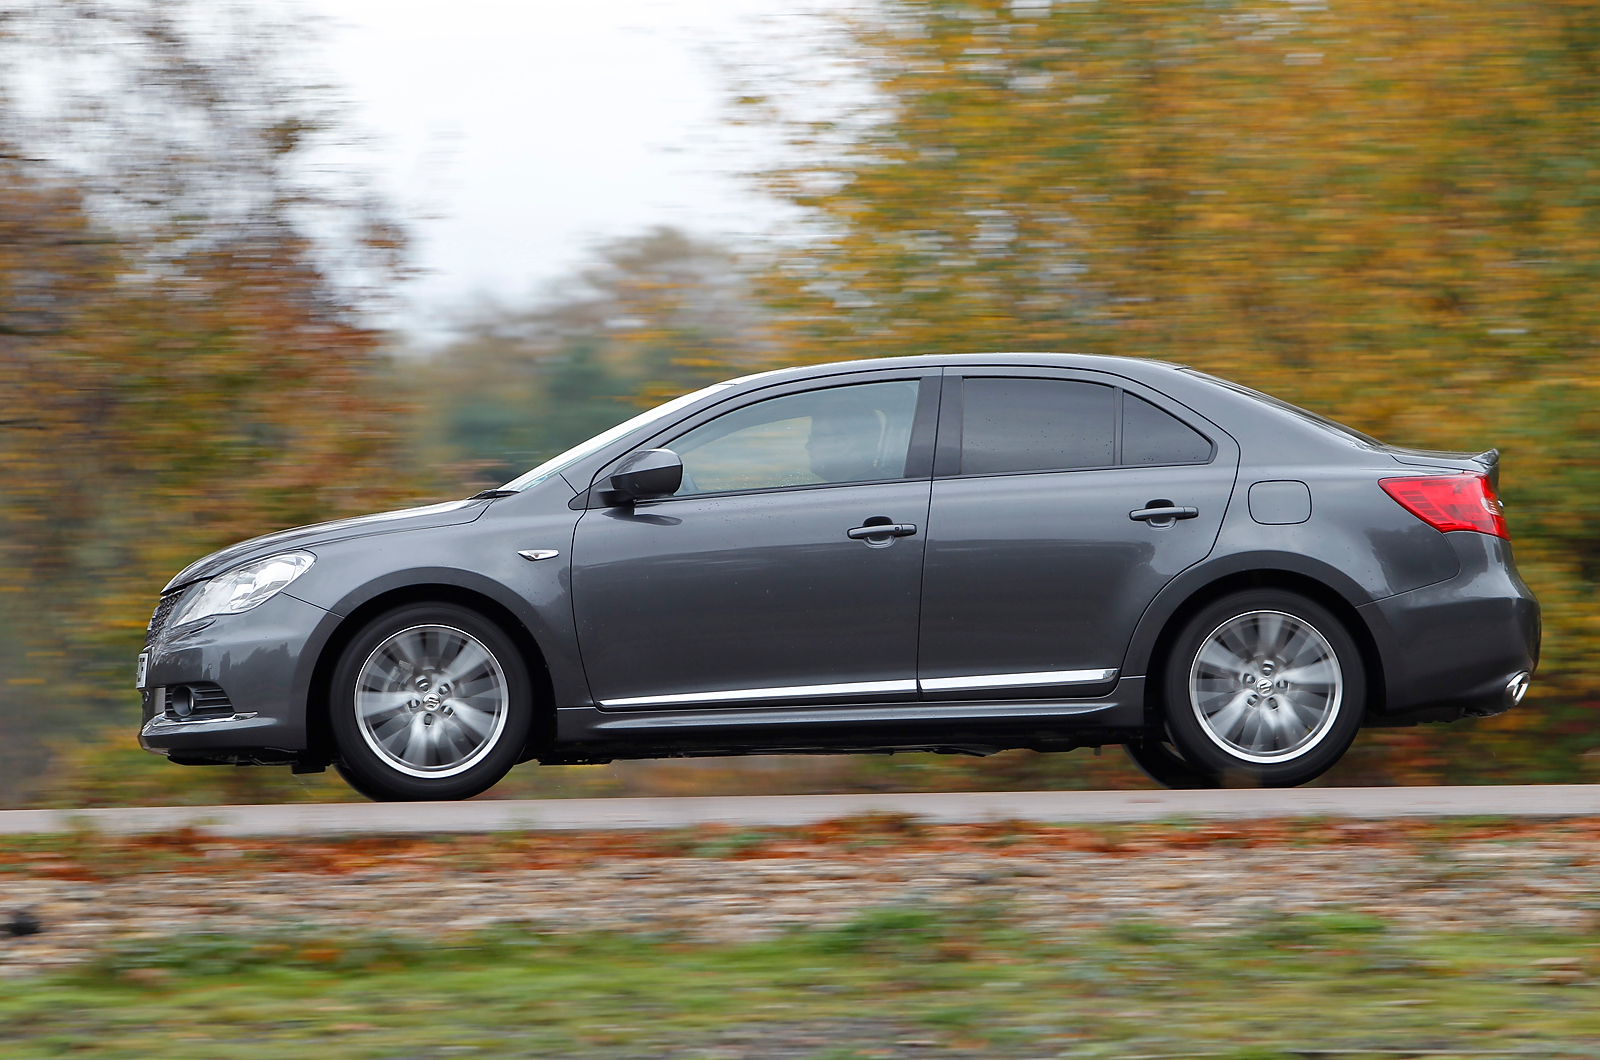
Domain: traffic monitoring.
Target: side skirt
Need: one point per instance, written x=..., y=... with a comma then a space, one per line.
x=586, y=734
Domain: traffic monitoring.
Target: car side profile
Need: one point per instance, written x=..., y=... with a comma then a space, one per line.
x=958, y=554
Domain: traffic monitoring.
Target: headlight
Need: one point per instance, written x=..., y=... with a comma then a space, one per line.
x=243, y=587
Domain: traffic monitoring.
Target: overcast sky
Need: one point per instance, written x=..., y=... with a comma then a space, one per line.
x=533, y=127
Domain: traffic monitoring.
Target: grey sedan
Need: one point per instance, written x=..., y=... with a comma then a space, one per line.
x=957, y=554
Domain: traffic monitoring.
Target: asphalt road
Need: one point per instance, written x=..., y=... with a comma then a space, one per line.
x=1528, y=800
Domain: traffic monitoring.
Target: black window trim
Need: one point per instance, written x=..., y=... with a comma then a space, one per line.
x=947, y=447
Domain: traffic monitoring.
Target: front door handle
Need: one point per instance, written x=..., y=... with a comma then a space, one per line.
x=1163, y=513
x=863, y=533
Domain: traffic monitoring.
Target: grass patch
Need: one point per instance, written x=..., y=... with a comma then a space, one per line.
x=900, y=981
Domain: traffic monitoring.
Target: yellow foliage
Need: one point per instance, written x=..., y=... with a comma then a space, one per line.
x=1385, y=211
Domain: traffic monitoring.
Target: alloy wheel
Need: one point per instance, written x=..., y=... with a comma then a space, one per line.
x=1266, y=686
x=431, y=701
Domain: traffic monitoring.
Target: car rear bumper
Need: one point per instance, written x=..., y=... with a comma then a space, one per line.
x=1453, y=648
x=247, y=663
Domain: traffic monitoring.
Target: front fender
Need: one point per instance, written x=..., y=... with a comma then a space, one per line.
x=352, y=579
x=546, y=618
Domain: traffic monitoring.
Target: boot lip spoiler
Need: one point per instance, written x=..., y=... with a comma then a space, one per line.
x=1489, y=459
x=1485, y=463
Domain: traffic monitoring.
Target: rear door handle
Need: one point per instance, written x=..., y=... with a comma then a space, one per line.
x=1166, y=514
x=862, y=533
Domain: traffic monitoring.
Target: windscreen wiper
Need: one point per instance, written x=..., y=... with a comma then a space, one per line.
x=489, y=494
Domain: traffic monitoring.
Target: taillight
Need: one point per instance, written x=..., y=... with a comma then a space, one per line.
x=1450, y=502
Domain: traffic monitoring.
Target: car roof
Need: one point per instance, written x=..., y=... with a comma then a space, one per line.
x=1133, y=367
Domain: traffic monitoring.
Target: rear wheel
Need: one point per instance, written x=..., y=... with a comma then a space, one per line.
x=429, y=701
x=1161, y=762
x=1266, y=686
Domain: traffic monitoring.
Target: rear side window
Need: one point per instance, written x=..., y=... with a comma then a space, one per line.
x=1010, y=425
x=1150, y=436
x=1019, y=424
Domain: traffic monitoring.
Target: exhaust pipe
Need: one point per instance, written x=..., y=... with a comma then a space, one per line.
x=1517, y=687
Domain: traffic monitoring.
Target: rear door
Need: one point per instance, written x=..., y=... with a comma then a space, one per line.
x=1042, y=547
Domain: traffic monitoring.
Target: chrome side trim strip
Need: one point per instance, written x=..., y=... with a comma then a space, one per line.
x=1047, y=677
x=896, y=713
x=741, y=695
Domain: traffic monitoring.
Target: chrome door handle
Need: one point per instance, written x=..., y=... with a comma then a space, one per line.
x=1166, y=514
x=862, y=533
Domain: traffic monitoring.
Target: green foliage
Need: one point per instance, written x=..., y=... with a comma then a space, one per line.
x=1324, y=929
x=1140, y=931
x=658, y=315
x=519, y=992
x=916, y=932
x=891, y=930
x=207, y=955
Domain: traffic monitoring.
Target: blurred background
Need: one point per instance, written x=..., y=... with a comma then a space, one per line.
x=268, y=263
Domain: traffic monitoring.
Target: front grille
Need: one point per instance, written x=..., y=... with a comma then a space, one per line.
x=158, y=620
x=198, y=699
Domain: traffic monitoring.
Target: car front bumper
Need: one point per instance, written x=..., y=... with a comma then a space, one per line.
x=1453, y=648
x=251, y=660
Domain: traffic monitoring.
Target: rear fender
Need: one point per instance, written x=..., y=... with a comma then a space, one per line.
x=1200, y=584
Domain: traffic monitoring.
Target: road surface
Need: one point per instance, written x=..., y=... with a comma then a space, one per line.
x=1528, y=800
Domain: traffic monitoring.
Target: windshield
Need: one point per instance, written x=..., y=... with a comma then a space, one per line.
x=1304, y=414
x=565, y=460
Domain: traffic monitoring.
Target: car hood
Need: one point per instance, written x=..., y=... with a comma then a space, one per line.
x=447, y=514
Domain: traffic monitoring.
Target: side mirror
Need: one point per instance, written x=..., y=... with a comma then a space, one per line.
x=646, y=473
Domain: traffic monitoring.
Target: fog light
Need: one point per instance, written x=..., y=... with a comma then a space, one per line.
x=1517, y=687
x=180, y=701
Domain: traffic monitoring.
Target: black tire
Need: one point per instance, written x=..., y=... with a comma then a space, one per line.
x=1162, y=763
x=1278, y=696
x=403, y=732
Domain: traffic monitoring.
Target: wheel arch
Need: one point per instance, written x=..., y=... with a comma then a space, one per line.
x=1168, y=613
x=319, y=732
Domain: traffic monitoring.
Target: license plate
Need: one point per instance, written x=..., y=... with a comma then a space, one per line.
x=144, y=665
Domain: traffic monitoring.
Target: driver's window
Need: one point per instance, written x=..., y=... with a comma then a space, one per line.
x=857, y=433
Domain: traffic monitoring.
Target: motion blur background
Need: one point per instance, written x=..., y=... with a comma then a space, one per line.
x=259, y=269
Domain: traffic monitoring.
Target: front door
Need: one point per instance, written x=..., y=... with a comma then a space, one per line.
x=762, y=580
x=1037, y=568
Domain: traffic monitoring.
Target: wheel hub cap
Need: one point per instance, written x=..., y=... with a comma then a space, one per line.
x=432, y=701
x=1266, y=686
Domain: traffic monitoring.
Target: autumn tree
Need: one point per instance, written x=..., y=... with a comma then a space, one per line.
x=652, y=316
x=186, y=353
x=1388, y=212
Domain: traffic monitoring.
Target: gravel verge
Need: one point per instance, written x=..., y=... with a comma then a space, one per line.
x=711, y=886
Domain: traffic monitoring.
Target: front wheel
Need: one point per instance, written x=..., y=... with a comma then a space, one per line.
x=1265, y=686
x=429, y=701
